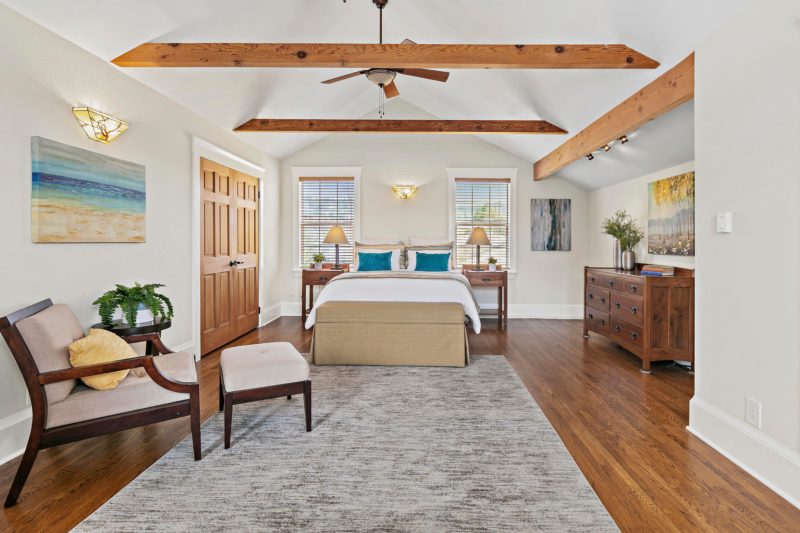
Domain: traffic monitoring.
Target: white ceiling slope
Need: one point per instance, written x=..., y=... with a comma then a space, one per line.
x=666, y=31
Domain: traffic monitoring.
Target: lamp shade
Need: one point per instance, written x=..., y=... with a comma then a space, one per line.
x=99, y=126
x=479, y=237
x=336, y=236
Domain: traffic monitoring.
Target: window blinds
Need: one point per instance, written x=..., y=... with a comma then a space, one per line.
x=485, y=203
x=324, y=203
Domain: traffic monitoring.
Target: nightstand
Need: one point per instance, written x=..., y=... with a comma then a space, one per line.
x=486, y=278
x=312, y=277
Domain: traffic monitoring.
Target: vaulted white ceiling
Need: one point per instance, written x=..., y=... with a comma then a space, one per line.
x=665, y=31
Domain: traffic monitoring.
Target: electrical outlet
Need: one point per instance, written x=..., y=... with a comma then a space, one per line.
x=752, y=412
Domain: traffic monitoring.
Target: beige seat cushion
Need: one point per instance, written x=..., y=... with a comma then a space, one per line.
x=101, y=346
x=48, y=335
x=262, y=365
x=132, y=393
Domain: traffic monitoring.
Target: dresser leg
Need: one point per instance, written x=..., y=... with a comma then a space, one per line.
x=646, y=366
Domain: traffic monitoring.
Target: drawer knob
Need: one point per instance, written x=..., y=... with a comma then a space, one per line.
x=617, y=329
x=602, y=322
x=602, y=300
x=591, y=296
x=633, y=310
x=592, y=280
x=610, y=283
x=634, y=288
x=591, y=316
x=323, y=278
x=486, y=279
x=634, y=335
x=618, y=305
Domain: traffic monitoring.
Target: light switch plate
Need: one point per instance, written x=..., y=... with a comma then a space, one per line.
x=725, y=222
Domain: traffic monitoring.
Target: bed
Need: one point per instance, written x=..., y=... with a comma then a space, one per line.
x=394, y=317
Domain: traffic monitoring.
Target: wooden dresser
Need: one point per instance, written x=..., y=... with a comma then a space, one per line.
x=653, y=317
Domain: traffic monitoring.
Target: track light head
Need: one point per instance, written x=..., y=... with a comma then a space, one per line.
x=623, y=139
x=607, y=147
x=589, y=156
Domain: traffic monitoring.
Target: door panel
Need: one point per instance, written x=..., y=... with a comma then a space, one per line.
x=229, y=299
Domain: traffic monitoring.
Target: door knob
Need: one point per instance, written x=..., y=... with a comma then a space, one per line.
x=235, y=263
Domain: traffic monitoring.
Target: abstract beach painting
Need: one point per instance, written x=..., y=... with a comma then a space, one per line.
x=551, y=225
x=83, y=196
x=670, y=216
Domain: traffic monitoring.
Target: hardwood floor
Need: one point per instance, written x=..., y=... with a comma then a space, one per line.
x=626, y=431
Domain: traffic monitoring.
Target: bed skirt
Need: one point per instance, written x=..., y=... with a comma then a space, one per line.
x=390, y=334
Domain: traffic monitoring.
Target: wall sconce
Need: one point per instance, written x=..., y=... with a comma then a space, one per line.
x=99, y=126
x=405, y=192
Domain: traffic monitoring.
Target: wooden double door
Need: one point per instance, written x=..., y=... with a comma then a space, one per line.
x=229, y=254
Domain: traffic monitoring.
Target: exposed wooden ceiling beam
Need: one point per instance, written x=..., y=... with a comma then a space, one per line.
x=400, y=126
x=668, y=91
x=311, y=55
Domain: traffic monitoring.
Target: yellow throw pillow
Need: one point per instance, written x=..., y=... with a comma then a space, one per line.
x=101, y=346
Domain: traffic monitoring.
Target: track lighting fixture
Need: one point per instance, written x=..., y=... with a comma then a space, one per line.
x=607, y=147
x=589, y=156
x=623, y=139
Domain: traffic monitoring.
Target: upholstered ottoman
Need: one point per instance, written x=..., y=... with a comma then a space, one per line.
x=260, y=372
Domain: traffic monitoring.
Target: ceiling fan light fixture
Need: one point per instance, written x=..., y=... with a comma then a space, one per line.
x=381, y=76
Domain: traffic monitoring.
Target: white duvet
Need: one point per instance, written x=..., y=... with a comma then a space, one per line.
x=401, y=288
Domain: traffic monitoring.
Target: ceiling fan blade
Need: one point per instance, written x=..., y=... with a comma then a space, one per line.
x=345, y=77
x=408, y=41
x=435, y=75
x=390, y=90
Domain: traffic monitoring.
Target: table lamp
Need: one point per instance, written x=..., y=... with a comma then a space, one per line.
x=477, y=238
x=336, y=236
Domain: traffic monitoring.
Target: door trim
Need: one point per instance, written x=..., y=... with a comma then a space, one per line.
x=204, y=149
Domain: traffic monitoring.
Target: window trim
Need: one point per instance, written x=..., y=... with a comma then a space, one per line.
x=487, y=174
x=321, y=172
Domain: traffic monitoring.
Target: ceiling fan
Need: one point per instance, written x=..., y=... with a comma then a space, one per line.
x=384, y=77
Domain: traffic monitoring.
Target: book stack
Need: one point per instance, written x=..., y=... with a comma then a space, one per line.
x=657, y=270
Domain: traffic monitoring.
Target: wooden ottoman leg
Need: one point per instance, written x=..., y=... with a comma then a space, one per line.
x=307, y=402
x=228, y=417
x=194, y=414
x=289, y=397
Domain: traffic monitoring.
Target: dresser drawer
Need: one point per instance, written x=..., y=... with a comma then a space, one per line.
x=627, y=333
x=598, y=298
x=634, y=287
x=592, y=278
x=598, y=320
x=629, y=308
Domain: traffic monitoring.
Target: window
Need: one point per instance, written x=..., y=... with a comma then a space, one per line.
x=324, y=203
x=483, y=202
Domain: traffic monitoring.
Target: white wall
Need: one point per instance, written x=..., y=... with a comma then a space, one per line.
x=747, y=120
x=632, y=197
x=546, y=283
x=43, y=77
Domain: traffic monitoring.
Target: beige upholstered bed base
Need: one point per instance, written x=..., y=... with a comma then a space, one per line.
x=390, y=333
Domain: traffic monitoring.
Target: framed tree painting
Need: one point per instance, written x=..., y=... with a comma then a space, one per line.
x=670, y=216
x=83, y=196
x=551, y=225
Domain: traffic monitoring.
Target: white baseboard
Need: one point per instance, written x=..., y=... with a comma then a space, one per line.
x=556, y=311
x=273, y=312
x=14, y=430
x=771, y=462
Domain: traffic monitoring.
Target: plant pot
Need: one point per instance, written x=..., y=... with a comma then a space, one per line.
x=628, y=260
x=492, y=267
x=318, y=266
x=617, y=251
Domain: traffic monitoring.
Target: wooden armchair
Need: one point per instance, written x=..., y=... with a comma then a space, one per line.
x=65, y=411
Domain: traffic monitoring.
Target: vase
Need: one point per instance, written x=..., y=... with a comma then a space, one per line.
x=628, y=260
x=617, y=251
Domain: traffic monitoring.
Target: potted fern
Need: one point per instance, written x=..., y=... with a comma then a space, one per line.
x=492, y=261
x=318, y=259
x=131, y=300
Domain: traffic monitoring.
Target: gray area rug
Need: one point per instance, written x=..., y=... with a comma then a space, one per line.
x=392, y=449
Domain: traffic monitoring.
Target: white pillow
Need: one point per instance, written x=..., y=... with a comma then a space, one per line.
x=395, y=259
x=372, y=242
x=416, y=241
x=412, y=257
